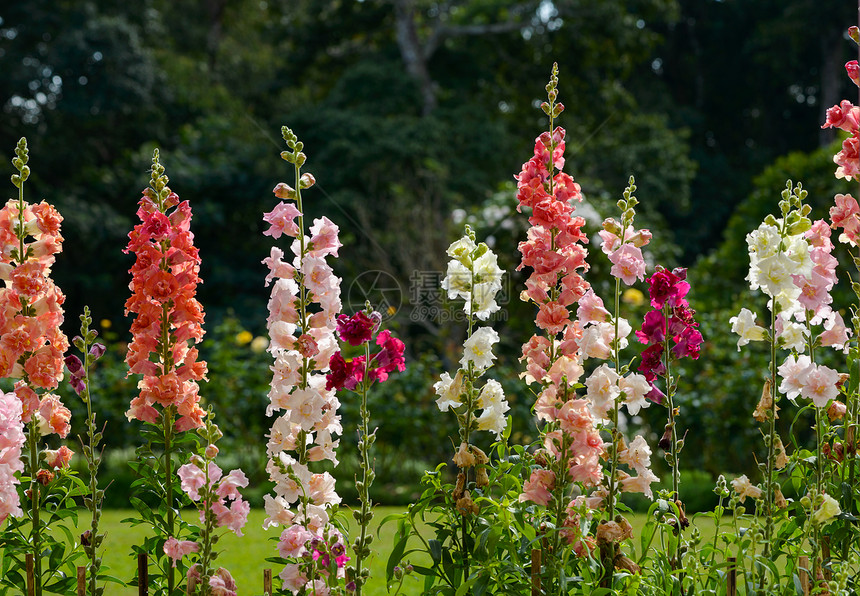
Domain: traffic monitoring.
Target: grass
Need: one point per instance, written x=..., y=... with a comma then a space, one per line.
x=245, y=557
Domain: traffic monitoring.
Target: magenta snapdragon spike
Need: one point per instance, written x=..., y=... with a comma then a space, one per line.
x=671, y=333
x=358, y=375
x=671, y=319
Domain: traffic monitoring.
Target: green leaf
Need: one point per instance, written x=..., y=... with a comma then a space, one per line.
x=395, y=556
x=435, y=551
x=464, y=587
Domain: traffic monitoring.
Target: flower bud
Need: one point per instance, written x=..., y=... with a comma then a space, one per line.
x=284, y=191
x=836, y=411
x=307, y=180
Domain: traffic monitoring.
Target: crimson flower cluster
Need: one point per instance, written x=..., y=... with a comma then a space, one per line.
x=672, y=318
x=358, y=330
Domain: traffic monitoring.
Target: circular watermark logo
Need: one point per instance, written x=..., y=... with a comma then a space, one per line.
x=380, y=289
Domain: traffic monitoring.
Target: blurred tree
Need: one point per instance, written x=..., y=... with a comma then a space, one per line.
x=751, y=80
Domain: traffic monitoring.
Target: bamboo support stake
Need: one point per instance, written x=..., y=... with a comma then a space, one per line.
x=142, y=575
x=536, y=572
x=267, y=582
x=732, y=578
x=31, y=575
x=803, y=566
x=82, y=581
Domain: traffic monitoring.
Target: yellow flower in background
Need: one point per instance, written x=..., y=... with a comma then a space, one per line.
x=105, y=323
x=633, y=297
x=244, y=337
x=259, y=344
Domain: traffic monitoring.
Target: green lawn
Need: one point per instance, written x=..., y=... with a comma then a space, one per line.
x=245, y=557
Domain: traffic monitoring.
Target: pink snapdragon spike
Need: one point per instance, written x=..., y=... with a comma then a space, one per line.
x=225, y=502
x=303, y=315
x=555, y=252
x=11, y=442
x=176, y=549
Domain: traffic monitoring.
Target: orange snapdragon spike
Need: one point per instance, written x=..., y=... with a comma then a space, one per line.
x=169, y=319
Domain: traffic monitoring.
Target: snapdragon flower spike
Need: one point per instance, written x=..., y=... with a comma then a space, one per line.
x=555, y=253
x=474, y=275
x=358, y=330
x=219, y=504
x=667, y=290
x=11, y=442
x=604, y=335
x=303, y=315
x=846, y=116
x=168, y=318
x=31, y=341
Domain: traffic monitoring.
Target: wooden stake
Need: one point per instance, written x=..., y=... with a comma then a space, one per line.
x=142, y=575
x=732, y=577
x=267, y=582
x=192, y=583
x=825, y=557
x=82, y=581
x=803, y=572
x=31, y=575
x=536, y=572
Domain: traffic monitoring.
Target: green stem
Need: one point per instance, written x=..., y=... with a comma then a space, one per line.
x=674, y=450
x=366, y=480
x=167, y=427
x=771, y=441
x=36, y=528
x=208, y=530
x=93, y=464
x=613, y=467
x=301, y=443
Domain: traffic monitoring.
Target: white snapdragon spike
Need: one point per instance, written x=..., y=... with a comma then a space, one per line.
x=449, y=391
x=474, y=275
x=602, y=390
x=478, y=349
x=745, y=326
x=635, y=388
